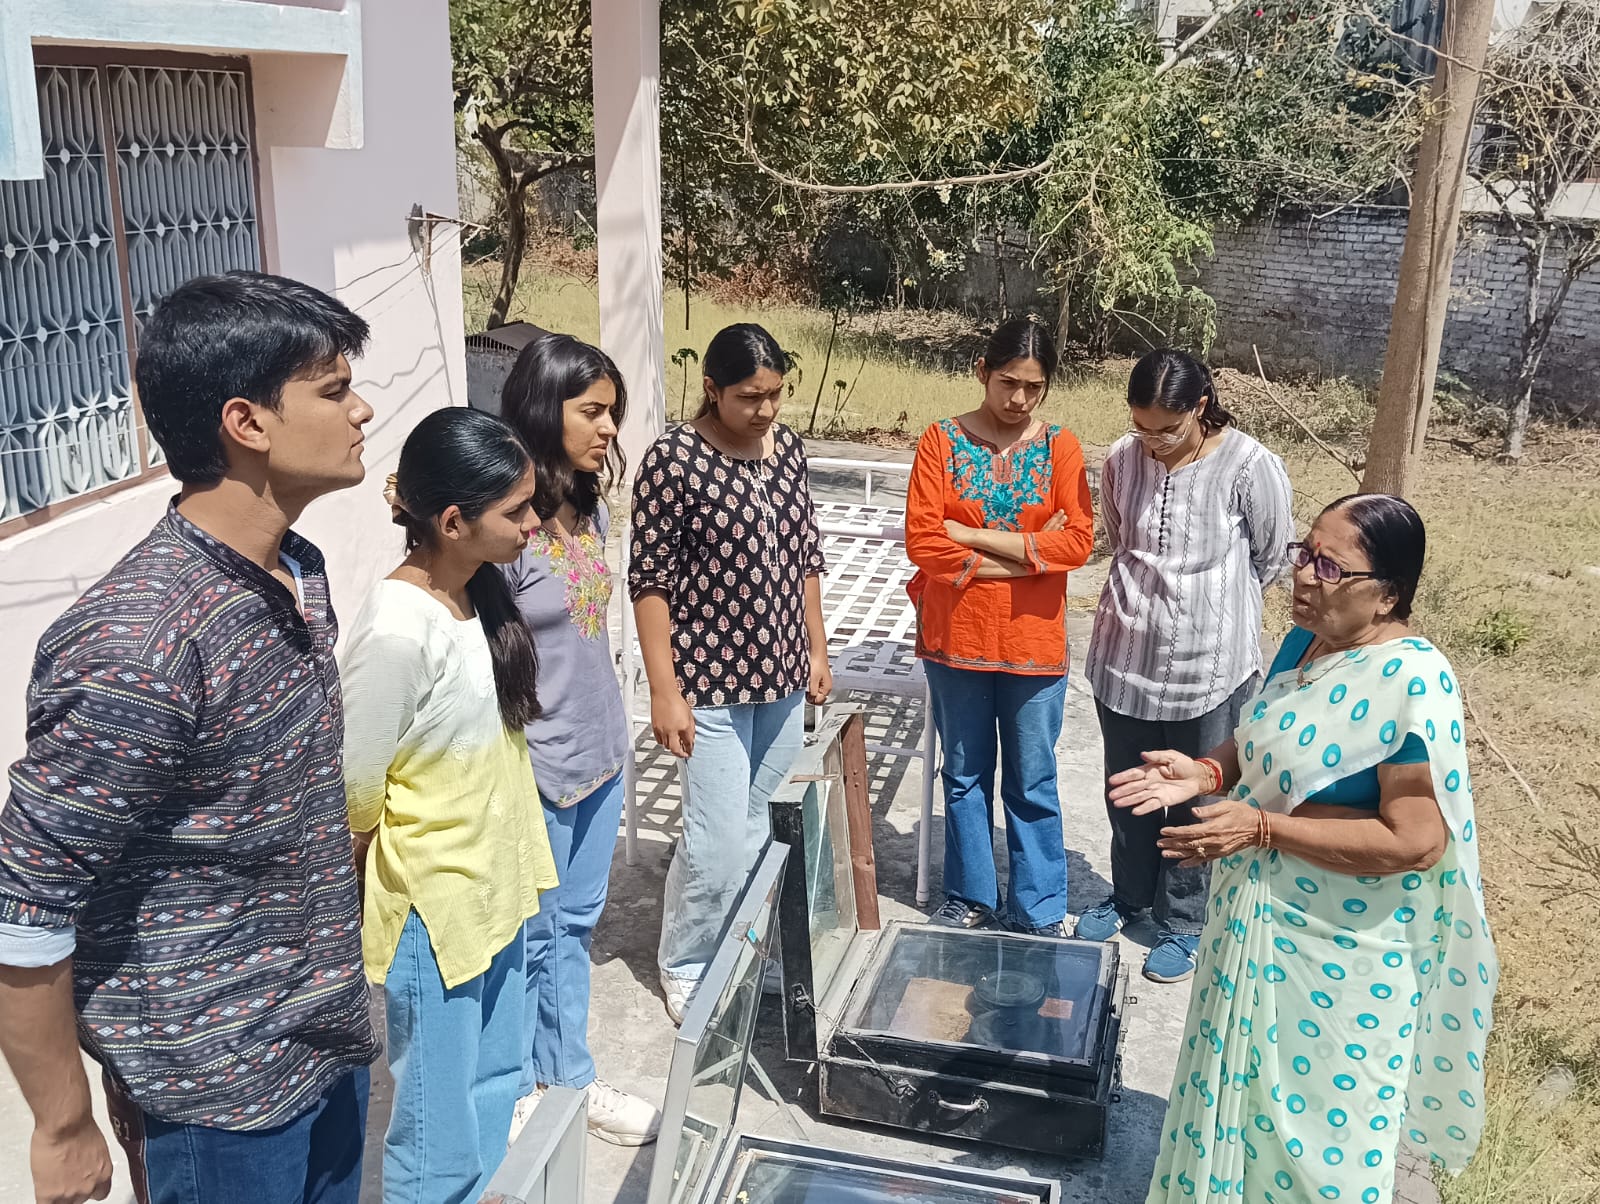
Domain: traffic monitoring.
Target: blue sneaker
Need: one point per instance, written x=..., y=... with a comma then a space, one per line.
x=1104, y=920
x=1173, y=958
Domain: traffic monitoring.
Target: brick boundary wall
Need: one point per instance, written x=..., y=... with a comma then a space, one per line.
x=1315, y=294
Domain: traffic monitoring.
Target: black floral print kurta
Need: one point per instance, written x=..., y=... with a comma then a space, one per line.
x=731, y=543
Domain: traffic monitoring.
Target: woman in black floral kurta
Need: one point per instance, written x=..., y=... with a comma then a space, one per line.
x=725, y=577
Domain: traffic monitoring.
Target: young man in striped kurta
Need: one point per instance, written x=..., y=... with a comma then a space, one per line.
x=175, y=861
x=1198, y=516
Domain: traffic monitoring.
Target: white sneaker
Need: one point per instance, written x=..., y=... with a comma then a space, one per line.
x=621, y=1118
x=679, y=992
x=521, y=1113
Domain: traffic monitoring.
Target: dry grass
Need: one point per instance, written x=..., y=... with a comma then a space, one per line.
x=886, y=388
x=1511, y=591
x=1539, y=1144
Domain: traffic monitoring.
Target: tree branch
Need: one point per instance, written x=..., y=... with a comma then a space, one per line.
x=991, y=177
x=1183, y=48
x=1010, y=176
x=1272, y=396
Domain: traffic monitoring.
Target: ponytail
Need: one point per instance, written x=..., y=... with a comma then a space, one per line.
x=516, y=664
x=1177, y=381
x=468, y=459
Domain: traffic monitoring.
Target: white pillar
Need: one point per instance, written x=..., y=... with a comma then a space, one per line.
x=627, y=154
x=627, y=177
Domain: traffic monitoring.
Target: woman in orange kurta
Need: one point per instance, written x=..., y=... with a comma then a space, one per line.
x=997, y=513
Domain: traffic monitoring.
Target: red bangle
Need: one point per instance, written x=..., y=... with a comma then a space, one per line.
x=1215, y=767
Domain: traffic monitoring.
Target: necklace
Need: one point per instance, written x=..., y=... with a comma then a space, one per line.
x=733, y=443
x=758, y=474
x=1301, y=678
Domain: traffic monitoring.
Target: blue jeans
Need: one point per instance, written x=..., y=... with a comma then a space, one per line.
x=456, y=1056
x=556, y=1015
x=979, y=714
x=314, y=1159
x=741, y=754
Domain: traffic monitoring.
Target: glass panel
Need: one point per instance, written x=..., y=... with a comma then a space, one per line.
x=783, y=1179
x=66, y=406
x=1002, y=992
x=713, y=1045
x=830, y=880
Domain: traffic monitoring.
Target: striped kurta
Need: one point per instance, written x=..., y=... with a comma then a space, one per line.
x=1178, y=627
x=181, y=802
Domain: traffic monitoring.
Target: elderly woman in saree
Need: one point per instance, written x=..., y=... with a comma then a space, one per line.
x=1342, y=998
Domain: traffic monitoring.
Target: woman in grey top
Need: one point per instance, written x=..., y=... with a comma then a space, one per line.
x=566, y=399
x=1199, y=520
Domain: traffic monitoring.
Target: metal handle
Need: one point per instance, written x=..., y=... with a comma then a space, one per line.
x=978, y=1104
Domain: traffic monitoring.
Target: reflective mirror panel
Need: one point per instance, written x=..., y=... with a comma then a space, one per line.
x=995, y=991
x=792, y=1179
x=830, y=881
x=713, y=1044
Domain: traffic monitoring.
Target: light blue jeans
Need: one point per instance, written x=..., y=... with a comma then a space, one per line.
x=456, y=1056
x=741, y=754
x=556, y=1015
x=1009, y=721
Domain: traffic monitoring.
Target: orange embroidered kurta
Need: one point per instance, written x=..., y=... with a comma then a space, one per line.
x=1009, y=625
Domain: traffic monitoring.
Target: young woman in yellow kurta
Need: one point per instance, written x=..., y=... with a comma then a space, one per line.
x=439, y=683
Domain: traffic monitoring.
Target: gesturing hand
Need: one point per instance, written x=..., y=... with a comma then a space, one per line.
x=1166, y=779
x=672, y=723
x=72, y=1165
x=1223, y=828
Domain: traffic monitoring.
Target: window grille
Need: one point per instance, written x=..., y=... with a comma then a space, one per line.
x=149, y=180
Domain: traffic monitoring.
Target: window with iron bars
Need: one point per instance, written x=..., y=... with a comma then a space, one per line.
x=149, y=180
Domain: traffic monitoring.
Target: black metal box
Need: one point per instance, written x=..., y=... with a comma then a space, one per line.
x=705, y=1155
x=990, y=1036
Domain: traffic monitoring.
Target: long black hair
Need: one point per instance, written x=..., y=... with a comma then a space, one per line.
x=551, y=371
x=1391, y=533
x=1176, y=381
x=466, y=458
x=1022, y=339
x=737, y=353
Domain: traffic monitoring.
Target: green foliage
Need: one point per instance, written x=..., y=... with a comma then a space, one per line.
x=1500, y=632
x=1292, y=101
x=523, y=65
x=850, y=92
x=1115, y=240
x=769, y=107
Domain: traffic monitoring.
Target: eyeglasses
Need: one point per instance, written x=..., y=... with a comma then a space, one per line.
x=1171, y=437
x=1326, y=570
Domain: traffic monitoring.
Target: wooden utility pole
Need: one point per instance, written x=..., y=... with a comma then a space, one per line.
x=1411, y=362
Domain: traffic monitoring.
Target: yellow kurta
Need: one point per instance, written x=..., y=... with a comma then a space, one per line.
x=429, y=764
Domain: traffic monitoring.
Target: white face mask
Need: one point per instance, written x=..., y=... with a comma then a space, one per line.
x=1167, y=443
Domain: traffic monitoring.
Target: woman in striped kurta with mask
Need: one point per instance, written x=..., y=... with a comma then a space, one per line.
x=1198, y=517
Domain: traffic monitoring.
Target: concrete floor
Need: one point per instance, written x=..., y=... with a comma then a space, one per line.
x=632, y=1036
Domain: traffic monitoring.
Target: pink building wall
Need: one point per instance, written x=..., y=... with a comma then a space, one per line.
x=335, y=218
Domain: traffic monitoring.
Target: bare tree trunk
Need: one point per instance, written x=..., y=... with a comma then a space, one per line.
x=1533, y=345
x=1000, y=275
x=1540, y=325
x=514, y=189
x=1064, y=313
x=1411, y=363
x=511, y=261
